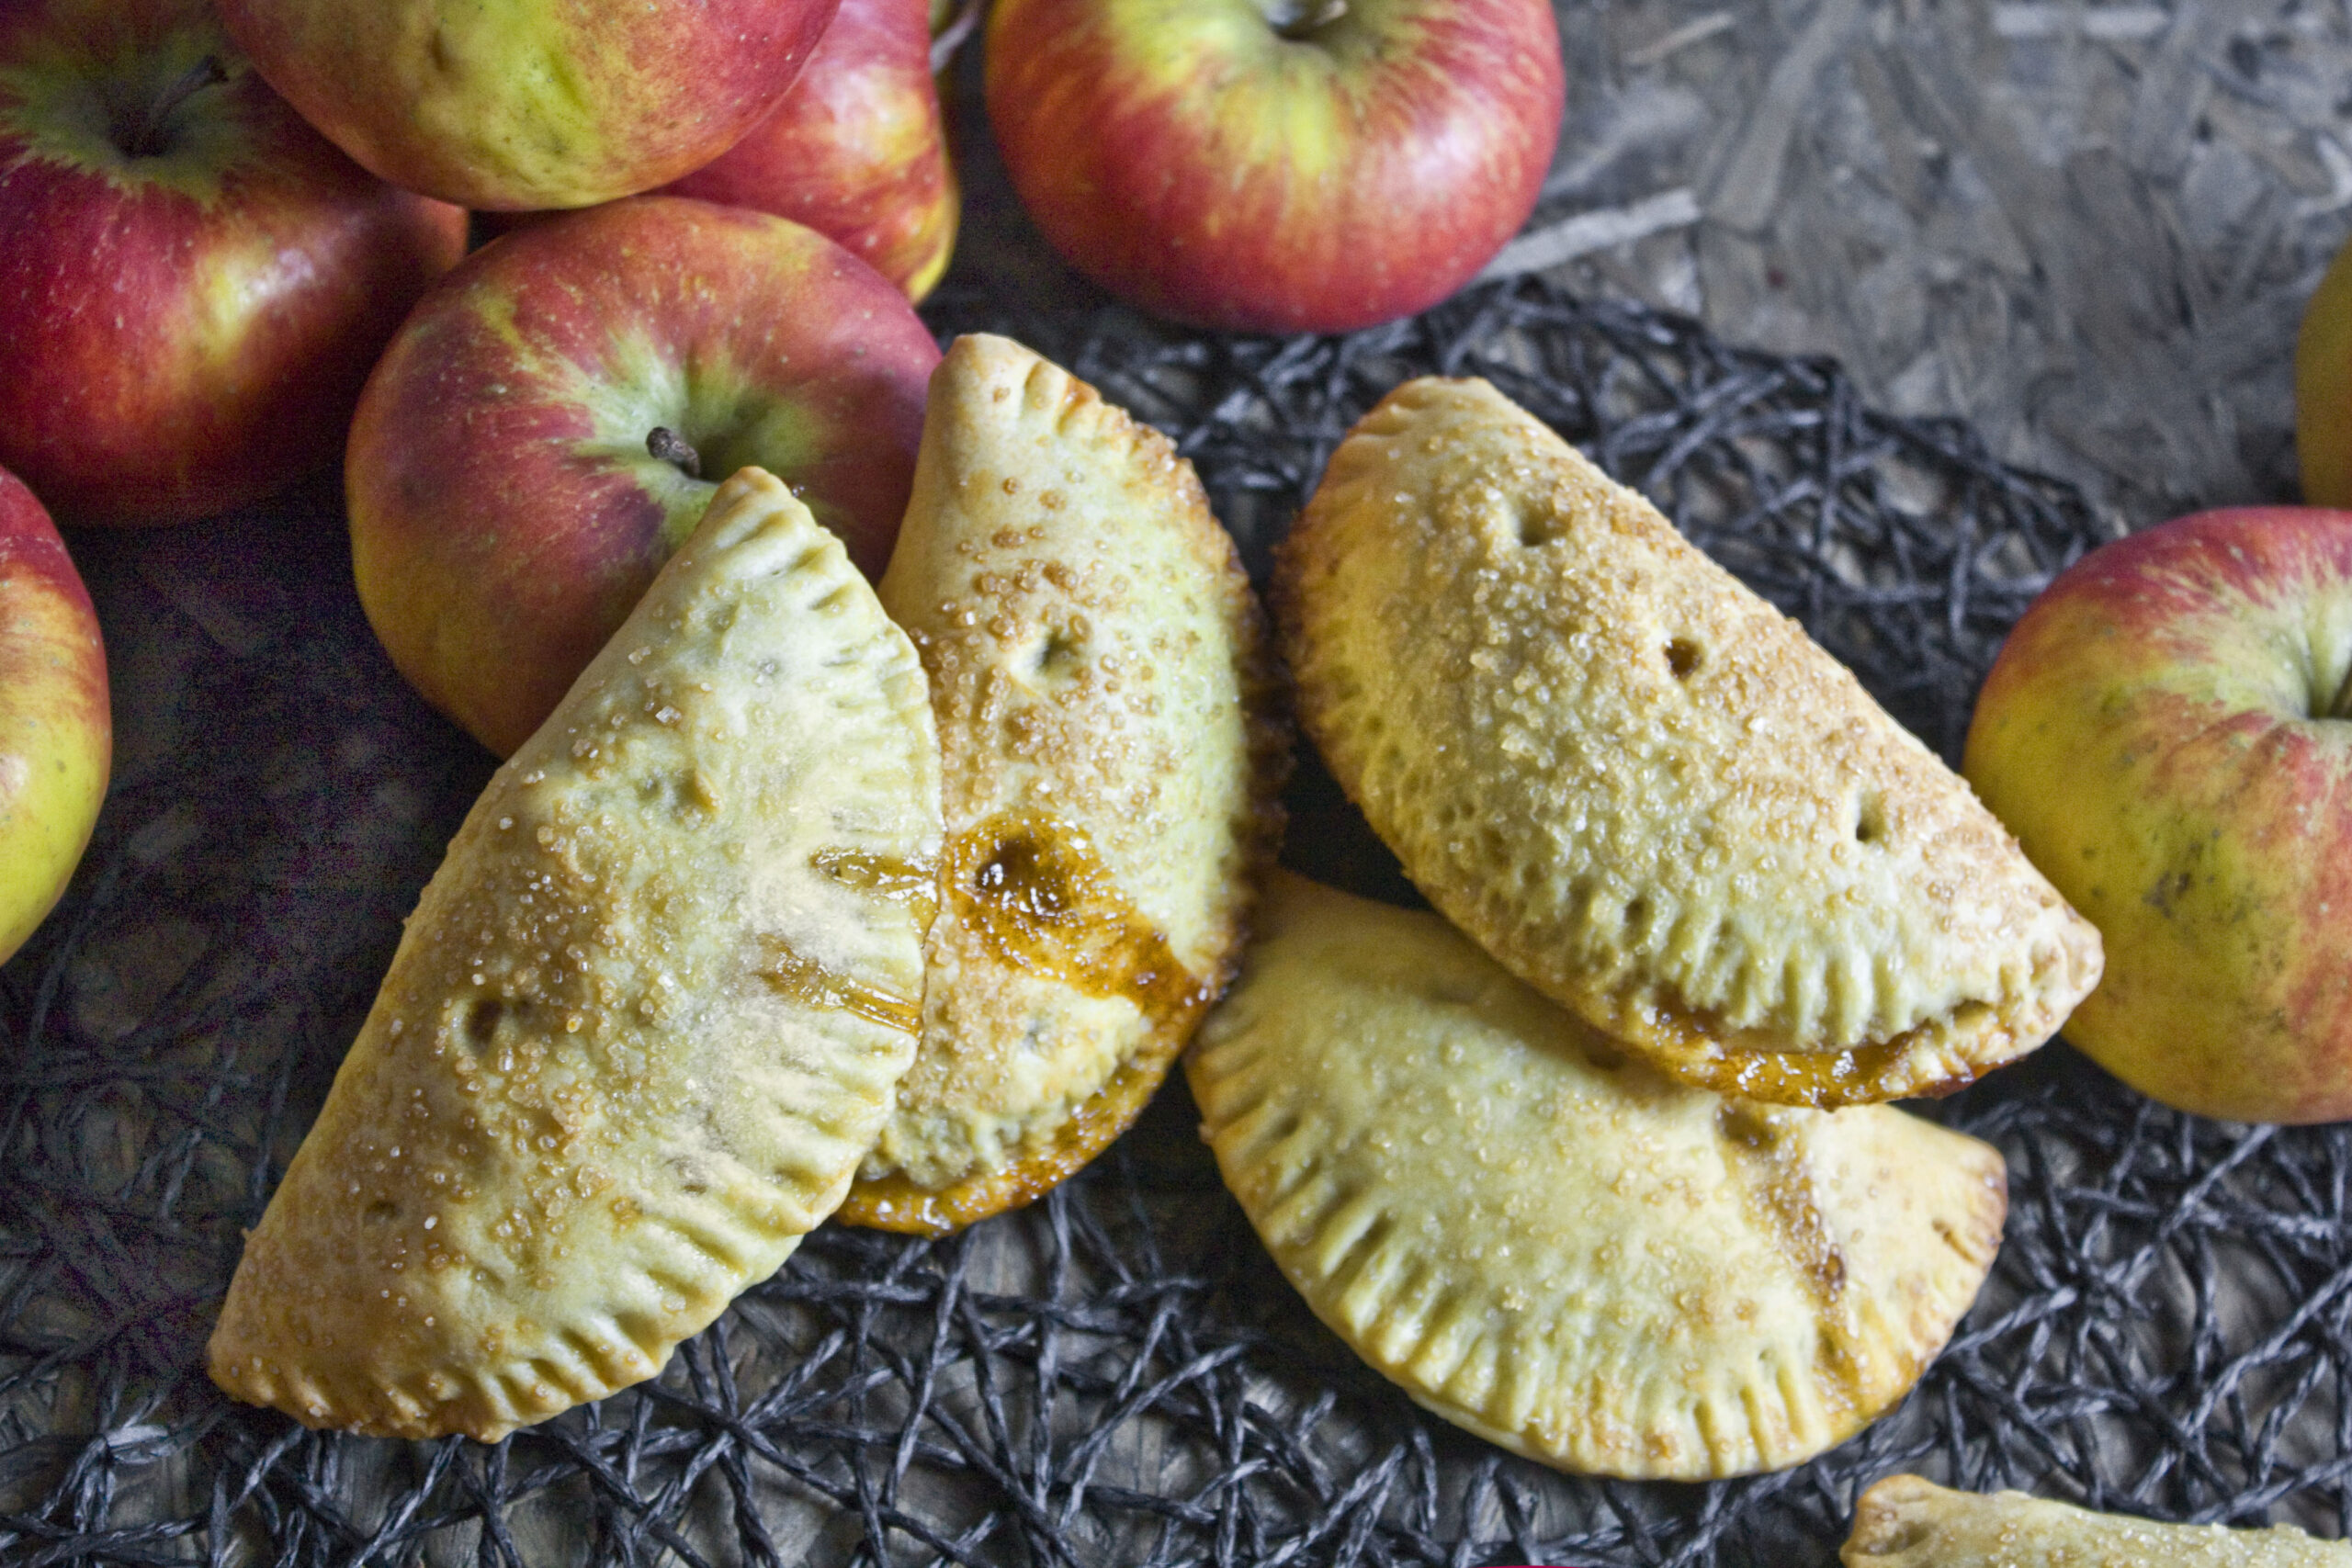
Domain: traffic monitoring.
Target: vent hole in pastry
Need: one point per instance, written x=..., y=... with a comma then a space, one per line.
x=1050, y=655
x=1638, y=915
x=383, y=1211
x=1869, y=821
x=482, y=1020
x=1682, y=657
x=1540, y=524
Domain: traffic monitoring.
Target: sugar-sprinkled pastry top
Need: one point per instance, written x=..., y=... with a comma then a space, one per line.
x=1547, y=1242
x=1643, y=789
x=1098, y=674
x=643, y=1024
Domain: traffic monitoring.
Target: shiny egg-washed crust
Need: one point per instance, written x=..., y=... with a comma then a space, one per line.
x=1643, y=789
x=1906, y=1522
x=645, y=1020
x=1551, y=1244
x=1099, y=677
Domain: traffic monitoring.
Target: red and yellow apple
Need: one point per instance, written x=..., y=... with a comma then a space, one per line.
x=857, y=150
x=2323, y=388
x=56, y=738
x=193, y=284
x=1276, y=165
x=2168, y=732
x=530, y=103
x=552, y=420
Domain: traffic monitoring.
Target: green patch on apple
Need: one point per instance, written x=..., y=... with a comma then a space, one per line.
x=716, y=417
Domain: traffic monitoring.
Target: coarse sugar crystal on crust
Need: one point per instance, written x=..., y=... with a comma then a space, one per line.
x=645, y=1020
x=1642, y=788
x=1548, y=1242
x=1100, y=676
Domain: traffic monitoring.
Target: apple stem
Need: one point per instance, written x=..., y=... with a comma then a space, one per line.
x=664, y=444
x=1298, y=20
x=146, y=139
x=951, y=37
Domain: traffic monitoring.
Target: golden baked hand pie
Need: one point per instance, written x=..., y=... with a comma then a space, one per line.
x=1097, y=670
x=643, y=1024
x=1643, y=789
x=1553, y=1246
x=1905, y=1522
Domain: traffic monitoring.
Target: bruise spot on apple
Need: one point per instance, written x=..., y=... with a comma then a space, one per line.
x=2169, y=889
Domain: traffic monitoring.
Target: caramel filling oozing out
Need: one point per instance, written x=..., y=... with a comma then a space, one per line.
x=806, y=980
x=1034, y=891
x=914, y=884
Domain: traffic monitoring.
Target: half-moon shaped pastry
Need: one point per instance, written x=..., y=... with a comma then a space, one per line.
x=1905, y=1522
x=1098, y=676
x=1643, y=789
x=1550, y=1244
x=643, y=1024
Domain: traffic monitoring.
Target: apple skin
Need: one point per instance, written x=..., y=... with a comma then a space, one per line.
x=527, y=103
x=56, y=735
x=1194, y=159
x=505, y=511
x=187, y=331
x=2168, y=732
x=857, y=150
x=2323, y=388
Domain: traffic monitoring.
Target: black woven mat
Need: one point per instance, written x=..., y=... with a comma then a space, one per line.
x=1117, y=1375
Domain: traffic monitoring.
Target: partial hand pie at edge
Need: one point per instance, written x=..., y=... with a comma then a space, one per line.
x=1642, y=789
x=1906, y=1522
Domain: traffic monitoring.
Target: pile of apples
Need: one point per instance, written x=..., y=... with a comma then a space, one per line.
x=234, y=243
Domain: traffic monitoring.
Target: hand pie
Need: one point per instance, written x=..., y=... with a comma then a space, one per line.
x=1551, y=1244
x=1098, y=674
x=1905, y=1522
x=1641, y=787
x=644, y=1023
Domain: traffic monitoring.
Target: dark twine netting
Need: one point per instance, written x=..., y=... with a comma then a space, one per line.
x=1117, y=1375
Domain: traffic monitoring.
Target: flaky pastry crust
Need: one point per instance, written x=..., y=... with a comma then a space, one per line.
x=645, y=1020
x=1906, y=1522
x=1098, y=674
x=1552, y=1246
x=1643, y=789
